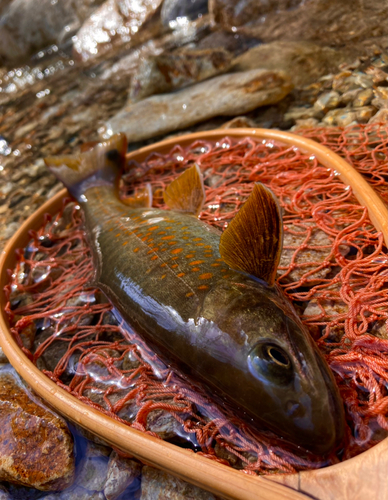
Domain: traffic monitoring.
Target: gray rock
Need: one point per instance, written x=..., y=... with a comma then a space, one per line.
x=224, y=95
x=92, y=473
x=122, y=472
x=79, y=493
x=166, y=72
x=176, y=12
x=305, y=62
x=114, y=22
x=232, y=13
x=327, y=101
x=4, y=495
x=380, y=117
x=158, y=485
x=28, y=26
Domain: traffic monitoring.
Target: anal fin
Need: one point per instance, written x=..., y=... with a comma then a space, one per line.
x=253, y=241
x=186, y=193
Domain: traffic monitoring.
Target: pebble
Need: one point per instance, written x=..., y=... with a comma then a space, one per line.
x=36, y=447
x=92, y=473
x=3, y=357
x=328, y=100
x=224, y=95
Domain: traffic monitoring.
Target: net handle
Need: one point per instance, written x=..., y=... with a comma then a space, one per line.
x=365, y=194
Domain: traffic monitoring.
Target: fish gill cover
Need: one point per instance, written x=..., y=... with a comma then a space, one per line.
x=333, y=268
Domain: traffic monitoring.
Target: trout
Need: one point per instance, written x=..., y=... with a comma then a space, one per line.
x=207, y=301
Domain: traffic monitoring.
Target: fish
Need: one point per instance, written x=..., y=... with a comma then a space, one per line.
x=206, y=301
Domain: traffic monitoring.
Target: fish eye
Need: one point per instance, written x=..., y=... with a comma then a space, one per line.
x=269, y=360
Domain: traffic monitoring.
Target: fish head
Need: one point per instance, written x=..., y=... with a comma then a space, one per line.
x=277, y=376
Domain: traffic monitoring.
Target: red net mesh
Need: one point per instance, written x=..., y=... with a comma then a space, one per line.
x=333, y=268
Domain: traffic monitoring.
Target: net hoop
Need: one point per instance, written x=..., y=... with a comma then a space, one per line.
x=198, y=470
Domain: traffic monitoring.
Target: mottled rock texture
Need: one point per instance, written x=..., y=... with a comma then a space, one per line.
x=303, y=61
x=27, y=26
x=114, y=22
x=36, y=447
x=158, y=485
x=166, y=72
x=225, y=95
x=122, y=472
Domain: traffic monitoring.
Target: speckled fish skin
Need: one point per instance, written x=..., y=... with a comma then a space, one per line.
x=241, y=338
x=163, y=271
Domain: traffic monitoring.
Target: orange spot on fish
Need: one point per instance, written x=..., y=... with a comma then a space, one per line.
x=177, y=250
x=199, y=244
x=111, y=229
x=155, y=249
x=163, y=276
x=216, y=264
x=195, y=269
x=174, y=266
x=203, y=287
x=189, y=294
x=180, y=275
x=219, y=260
x=196, y=262
x=154, y=257
x=162, y=232
x=163, y=265
x=172, y=242
x=168, y=237
x=185, y=237
x=136, y=249
x=197, y=239
x=125, y=243
x=205, y=276
x=144, y=238
x=153, y=228
x=118, y=234
x=190, y=256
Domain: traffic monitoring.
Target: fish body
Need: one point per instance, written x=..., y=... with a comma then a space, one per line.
x=164, y=272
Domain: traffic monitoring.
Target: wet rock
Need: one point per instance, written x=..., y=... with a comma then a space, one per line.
x=28, y=26
x=327, y=101
x=301, y=113
x=381, y=97
x=178, y=12
x=232, y=13
x=92, y=473
x=79, y=493
x=236, y=43
x=303, y=61
x=122, y=472
x=239, y=122
x=114, y=22
x=225, y=95
x=363, y=98
x=158, y=485
x=3, y=357
x=4, y=495
x=380, y=117
x=36, y=447
x=166, y=72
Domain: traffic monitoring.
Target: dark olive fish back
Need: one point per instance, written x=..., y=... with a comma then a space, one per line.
x=190, y=293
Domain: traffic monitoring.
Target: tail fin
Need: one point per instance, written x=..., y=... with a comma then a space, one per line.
x=96, y=166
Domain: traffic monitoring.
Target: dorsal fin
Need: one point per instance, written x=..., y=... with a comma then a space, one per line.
x=186, y=193
x=253, y=240
x=141, y=198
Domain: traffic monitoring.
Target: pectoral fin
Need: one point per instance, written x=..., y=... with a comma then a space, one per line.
x=186, y=193
x=253, y=240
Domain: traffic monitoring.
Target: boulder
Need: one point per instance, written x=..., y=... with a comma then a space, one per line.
x=305, y=62
x=225, y=95
x=36, y=447
x=27, y=26
x=114, y=22
x=166, y=72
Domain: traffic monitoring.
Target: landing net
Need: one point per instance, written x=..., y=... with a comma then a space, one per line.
x=334, y=269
